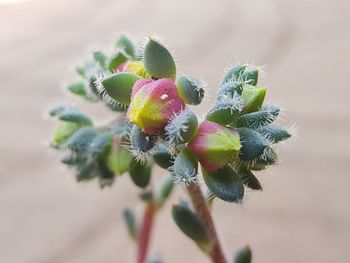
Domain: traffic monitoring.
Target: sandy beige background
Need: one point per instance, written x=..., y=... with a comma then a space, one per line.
x=303, y=213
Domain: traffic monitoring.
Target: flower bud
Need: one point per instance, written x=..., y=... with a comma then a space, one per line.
x=190, y=89
x=215, y=145
x=153, y=103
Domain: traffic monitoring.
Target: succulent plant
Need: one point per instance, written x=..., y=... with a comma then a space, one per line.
x=155, y=126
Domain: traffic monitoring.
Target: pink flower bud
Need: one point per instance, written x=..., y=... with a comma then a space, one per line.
x=153, y=103
x=215, y=145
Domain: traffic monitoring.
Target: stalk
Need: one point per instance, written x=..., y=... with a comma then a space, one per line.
x=145, y=232
x=201, y=207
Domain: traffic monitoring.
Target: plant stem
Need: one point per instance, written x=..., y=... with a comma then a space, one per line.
x=201, y=207
x=145, y=232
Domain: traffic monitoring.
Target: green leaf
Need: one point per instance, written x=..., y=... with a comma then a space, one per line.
x=131, y=224
x=182, y=127
x=63, y=132
x=86, y=171
x=185, y=167
x=140, y=173
x=158, y=61
x=243, y=255
x=100, y=58
x=101, y=144
x=223, y=113
x=259, y=118
x=78, y=88
x=190, y=89
x=141, y=141
x=119, y=57
x=74, y=115
x=225, y=184
x=248, y=178
x=250, y=75
x=119, y=86
x=253, y=98
x=191, y=225
x=119, y=159
x=274, y=133
x=106, y=176
x=80, y=141
x=162, y=157
x=253, y=144
x=125, y=44
x=232, y=74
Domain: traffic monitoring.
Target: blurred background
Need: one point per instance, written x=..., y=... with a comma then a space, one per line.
x=303, y=213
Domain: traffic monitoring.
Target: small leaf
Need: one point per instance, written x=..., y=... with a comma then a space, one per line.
x=141, y=141
x=182, y=127
x=162, y=157
x=190, y=89
x=119, y=158
x=232, y=74
x=100, y=58
x=86, y=171
x=63, y=132
x=118, y=58
x=140, y=173
x=253, y=98
x=158, y=61
x=185, y=167
x=125, y=44
x=250, y=75
x=106, y=176
x=77, y=88
x=80, y=141
x=73, y=115
x=258, y=118
x=274, y=133
x=249, y=179
x=131, y=224
x=119, y=85
x=253, y=144
x=192, y=226
x=224, y=183
x=243, y=255
x=101, y=144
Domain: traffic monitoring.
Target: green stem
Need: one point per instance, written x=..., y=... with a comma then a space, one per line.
x=145, y=232
x=201, y=207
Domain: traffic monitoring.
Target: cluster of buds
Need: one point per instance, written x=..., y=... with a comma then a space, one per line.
x=157, y=126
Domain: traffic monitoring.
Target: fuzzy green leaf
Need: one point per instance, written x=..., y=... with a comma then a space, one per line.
x=119, y=57
x=253, y=144
x=232, y=74
x=158, y=61
x=131, y=224
x=162, y=157
x=258, y=118
x=78, y=88
x=185, y=167
x=80, y=141
x=243, y=255
x=191, y=225
x=249, y=179
x=140, y=173
x=190, y=89
x=274, y=133
x=225, y=184
x=119, y=86
x=101, y=144
x=125, y=44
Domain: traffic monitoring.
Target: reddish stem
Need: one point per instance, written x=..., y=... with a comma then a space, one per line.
x=145, y=232
x=201, y=207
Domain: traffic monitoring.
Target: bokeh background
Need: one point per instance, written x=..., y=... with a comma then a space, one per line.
x=303, y=213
